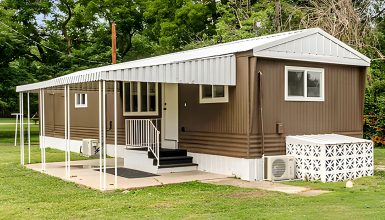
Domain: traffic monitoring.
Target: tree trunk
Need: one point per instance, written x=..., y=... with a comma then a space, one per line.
x=278, y=16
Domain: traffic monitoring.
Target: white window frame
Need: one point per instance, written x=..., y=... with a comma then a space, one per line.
x=77, y=96
x=305, y=98
x=224, y=99
x=139, y=91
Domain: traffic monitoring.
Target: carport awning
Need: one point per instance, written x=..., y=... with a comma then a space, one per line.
x=212, y=65
x=217, y=70
x=215, y=65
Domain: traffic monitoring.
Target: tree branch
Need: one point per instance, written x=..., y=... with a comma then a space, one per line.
x=64, y=27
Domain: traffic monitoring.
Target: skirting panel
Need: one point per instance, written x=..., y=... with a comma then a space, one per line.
x=246, y=169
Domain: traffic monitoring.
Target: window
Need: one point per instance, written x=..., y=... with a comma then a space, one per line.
x=304, y=84
x=140, y=98
x=80, y=100
x=213, y=94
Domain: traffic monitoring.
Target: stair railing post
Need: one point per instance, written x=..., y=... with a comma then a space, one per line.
x=148, y=135
x=157, y=146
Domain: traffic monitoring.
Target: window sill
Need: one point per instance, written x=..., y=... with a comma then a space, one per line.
x=140, y=113
x=81, y=106
x=213, y=100
x=302, y=99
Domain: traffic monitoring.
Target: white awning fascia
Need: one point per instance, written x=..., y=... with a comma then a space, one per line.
x=218, y=70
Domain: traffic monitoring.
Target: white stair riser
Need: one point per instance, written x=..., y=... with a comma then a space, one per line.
x=138, y=160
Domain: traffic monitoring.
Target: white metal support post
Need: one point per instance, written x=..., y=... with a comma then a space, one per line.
x=22, y=126
x=21, y=161
x=116, y=136
x=100, y=135
x=104, y=137
x=43, y=127
x=69, y=130
x=29, y=130
x=21, y=130
x=65, y=130
x=17, y=124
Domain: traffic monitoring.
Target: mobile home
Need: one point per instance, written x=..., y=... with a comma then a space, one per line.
x=221, y=108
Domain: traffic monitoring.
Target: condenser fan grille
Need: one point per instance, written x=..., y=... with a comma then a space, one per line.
x=278, y=168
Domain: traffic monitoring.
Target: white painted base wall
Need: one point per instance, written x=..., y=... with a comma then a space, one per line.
x=138, y=160
x=59, y=143
x=246, y=169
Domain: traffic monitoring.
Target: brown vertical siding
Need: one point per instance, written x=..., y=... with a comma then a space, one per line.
x=84, y=121
x=341, y=112
x=233, y=128
x=217, y=128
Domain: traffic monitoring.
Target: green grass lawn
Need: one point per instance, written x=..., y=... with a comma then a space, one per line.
x=379, y=158
x=28, y=194
x=8, y=120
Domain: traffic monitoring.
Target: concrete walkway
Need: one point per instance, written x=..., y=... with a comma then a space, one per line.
x=266, y=185
x=86, y=173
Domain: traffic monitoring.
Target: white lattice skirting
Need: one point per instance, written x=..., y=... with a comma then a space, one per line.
x=330, y=158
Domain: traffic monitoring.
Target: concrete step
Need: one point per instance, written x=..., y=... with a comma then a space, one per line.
x=173, y=160
x=164, y=152
x=174, y=168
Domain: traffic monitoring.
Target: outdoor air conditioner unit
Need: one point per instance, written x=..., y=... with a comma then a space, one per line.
x=89, y=147
x=279, y=167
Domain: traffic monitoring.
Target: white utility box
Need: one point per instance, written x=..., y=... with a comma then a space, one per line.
x=330, y=157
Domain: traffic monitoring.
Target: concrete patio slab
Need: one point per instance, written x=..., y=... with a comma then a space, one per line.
x=86, y=173
x=266, y=185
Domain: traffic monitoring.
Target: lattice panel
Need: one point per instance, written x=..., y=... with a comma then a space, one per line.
x=330, y=163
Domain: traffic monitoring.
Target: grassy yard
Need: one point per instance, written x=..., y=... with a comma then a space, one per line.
x=29, y=194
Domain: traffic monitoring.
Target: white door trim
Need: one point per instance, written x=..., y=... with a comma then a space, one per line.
x=169, y=132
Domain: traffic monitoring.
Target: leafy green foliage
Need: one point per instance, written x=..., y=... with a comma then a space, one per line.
x=40, y=40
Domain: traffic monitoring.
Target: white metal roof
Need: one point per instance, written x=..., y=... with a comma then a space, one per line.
x=325, y=139
x=215, y=65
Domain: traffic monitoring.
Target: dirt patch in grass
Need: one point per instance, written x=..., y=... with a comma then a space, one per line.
x=248, y=194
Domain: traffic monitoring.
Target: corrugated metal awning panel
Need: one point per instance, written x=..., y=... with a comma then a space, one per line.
x=219, y=70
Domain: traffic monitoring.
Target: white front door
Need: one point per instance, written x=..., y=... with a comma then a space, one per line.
x=170, y=116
